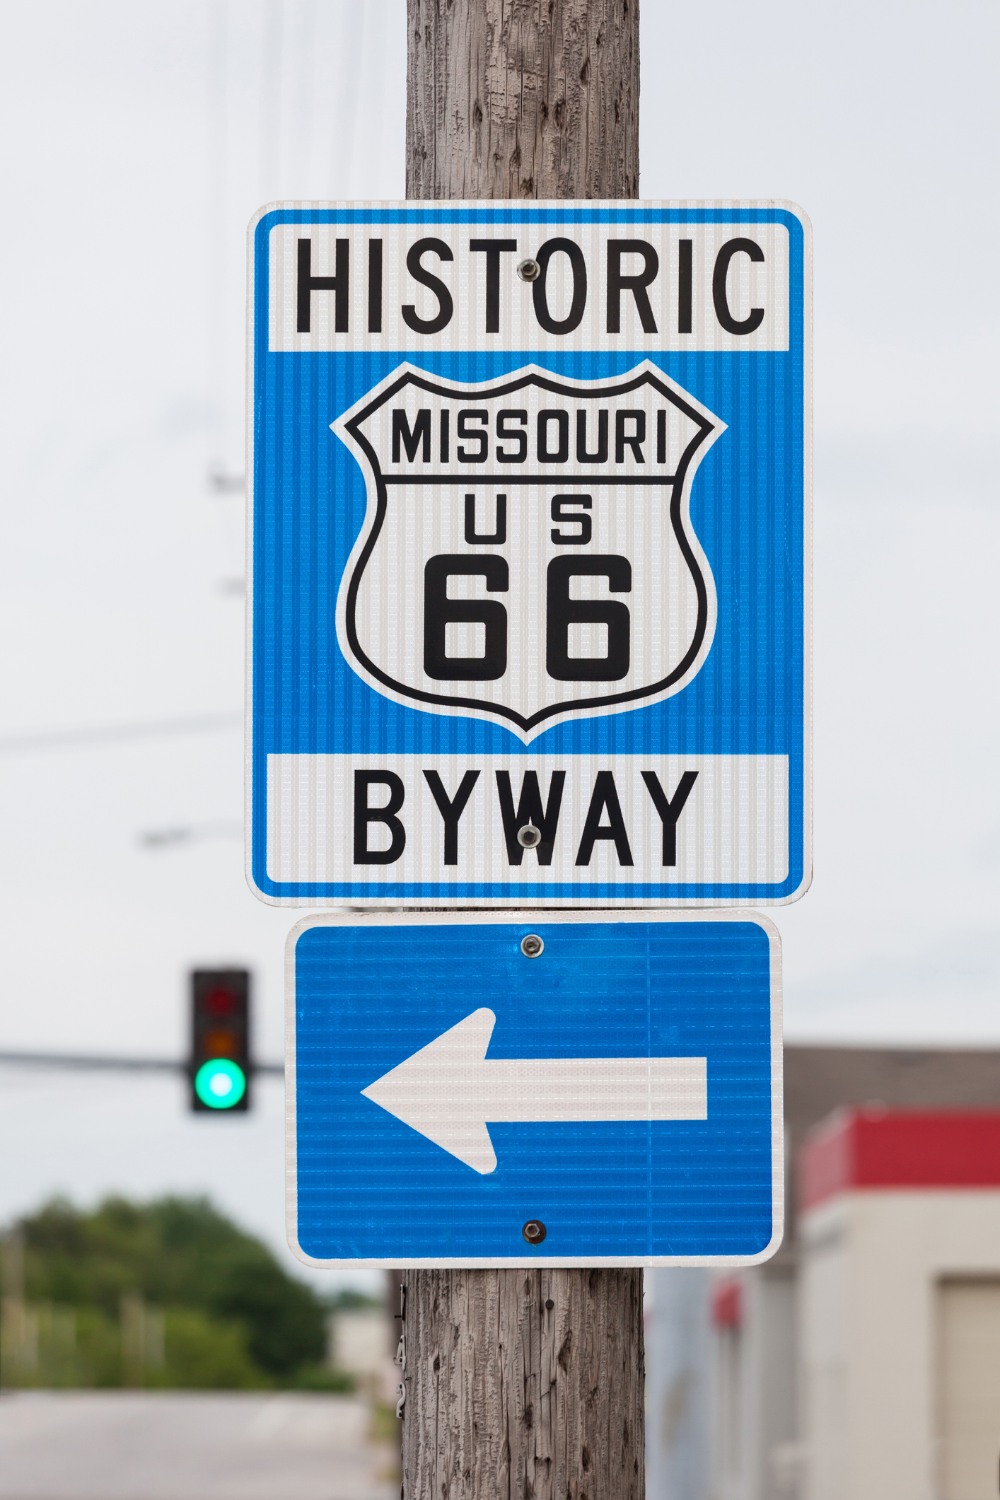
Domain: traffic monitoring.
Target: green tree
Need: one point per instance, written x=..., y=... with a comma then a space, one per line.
x=204, y=1354
x=255, y=1324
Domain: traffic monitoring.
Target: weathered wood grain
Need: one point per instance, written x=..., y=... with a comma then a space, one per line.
x=522, y=99
x=523, y=1385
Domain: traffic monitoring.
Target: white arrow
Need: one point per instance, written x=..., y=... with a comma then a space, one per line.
x=449, y=1090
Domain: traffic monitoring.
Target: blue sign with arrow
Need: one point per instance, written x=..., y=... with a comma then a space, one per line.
x=540, y=1087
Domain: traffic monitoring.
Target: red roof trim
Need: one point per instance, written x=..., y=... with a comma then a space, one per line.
x=727, y=1303
x=859, y=1149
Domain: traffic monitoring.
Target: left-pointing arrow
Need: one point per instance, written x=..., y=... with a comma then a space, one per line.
x=450, y=1089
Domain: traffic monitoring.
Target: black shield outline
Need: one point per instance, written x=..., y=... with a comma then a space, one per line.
x=487, y=390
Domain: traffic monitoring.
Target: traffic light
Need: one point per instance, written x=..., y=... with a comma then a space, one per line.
x=220, y=1066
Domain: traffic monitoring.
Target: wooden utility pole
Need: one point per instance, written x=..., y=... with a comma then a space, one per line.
x=523, y=1384
x=522, y=99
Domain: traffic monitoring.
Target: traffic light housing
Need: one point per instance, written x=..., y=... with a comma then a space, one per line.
x=220, y=1068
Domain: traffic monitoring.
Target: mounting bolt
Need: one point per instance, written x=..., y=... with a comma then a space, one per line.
x=529, y=270
x=531, y=945
x=534, y=1231
x=529, y=837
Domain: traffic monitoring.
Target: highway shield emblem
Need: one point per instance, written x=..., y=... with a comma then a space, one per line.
x=527, y=555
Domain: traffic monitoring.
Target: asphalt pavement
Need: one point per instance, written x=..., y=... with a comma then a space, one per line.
x=139, y=1445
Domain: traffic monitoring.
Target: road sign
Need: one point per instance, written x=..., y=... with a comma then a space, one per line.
x=530, y=490
x=508, y=1089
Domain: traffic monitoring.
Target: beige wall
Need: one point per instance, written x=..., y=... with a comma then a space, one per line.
x=753, y=1388
x=871, y=1266
x=968, y=1386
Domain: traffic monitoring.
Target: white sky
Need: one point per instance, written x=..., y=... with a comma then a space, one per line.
x=139, y=139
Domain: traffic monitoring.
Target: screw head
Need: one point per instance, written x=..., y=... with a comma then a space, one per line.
x=531, y=945
x=529, y=837
x=529, y=270
x=534, y=1231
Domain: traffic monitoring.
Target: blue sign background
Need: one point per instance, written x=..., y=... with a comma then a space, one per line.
x=748, y=508
x=368, y=993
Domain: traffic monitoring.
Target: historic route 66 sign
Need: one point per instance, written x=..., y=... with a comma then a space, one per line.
x=566, y=581
x=530, y=541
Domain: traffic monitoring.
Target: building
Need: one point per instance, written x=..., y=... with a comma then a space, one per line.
x=728, y=1417
x=899, y=1307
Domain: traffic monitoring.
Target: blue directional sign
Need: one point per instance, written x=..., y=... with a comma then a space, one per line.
x=530, y=537
x=540, y=1087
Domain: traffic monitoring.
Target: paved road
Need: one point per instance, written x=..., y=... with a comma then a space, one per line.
x=137, y=1445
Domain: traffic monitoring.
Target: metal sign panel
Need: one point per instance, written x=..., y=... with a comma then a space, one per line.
x=529, y=554
x=509, y=1089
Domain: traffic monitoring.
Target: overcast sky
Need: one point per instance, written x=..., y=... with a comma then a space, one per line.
x=140, y=138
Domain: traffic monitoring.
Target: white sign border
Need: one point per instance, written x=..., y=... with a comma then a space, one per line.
x=499, y=903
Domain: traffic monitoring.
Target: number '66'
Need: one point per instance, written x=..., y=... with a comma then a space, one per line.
x=561, y=609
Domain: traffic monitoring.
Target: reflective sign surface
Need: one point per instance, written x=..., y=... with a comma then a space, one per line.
x=529, y=549
x=545, y=1086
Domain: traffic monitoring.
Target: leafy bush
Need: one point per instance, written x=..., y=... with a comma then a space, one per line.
x=203, y=1354
x=233, y=1318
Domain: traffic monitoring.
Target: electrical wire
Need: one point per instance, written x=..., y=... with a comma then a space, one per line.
x=215, y=290
x=352, y=29
x=305, y=97
x=110, y=1064
x=271, y=102
x=67, y=739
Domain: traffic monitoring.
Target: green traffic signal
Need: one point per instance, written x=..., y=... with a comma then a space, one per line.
x=220, y=1083
x=220, y=1070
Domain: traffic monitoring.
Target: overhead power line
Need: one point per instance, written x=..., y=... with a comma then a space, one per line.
x=112, y=1064
x=164, y=838
x=64, y=739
